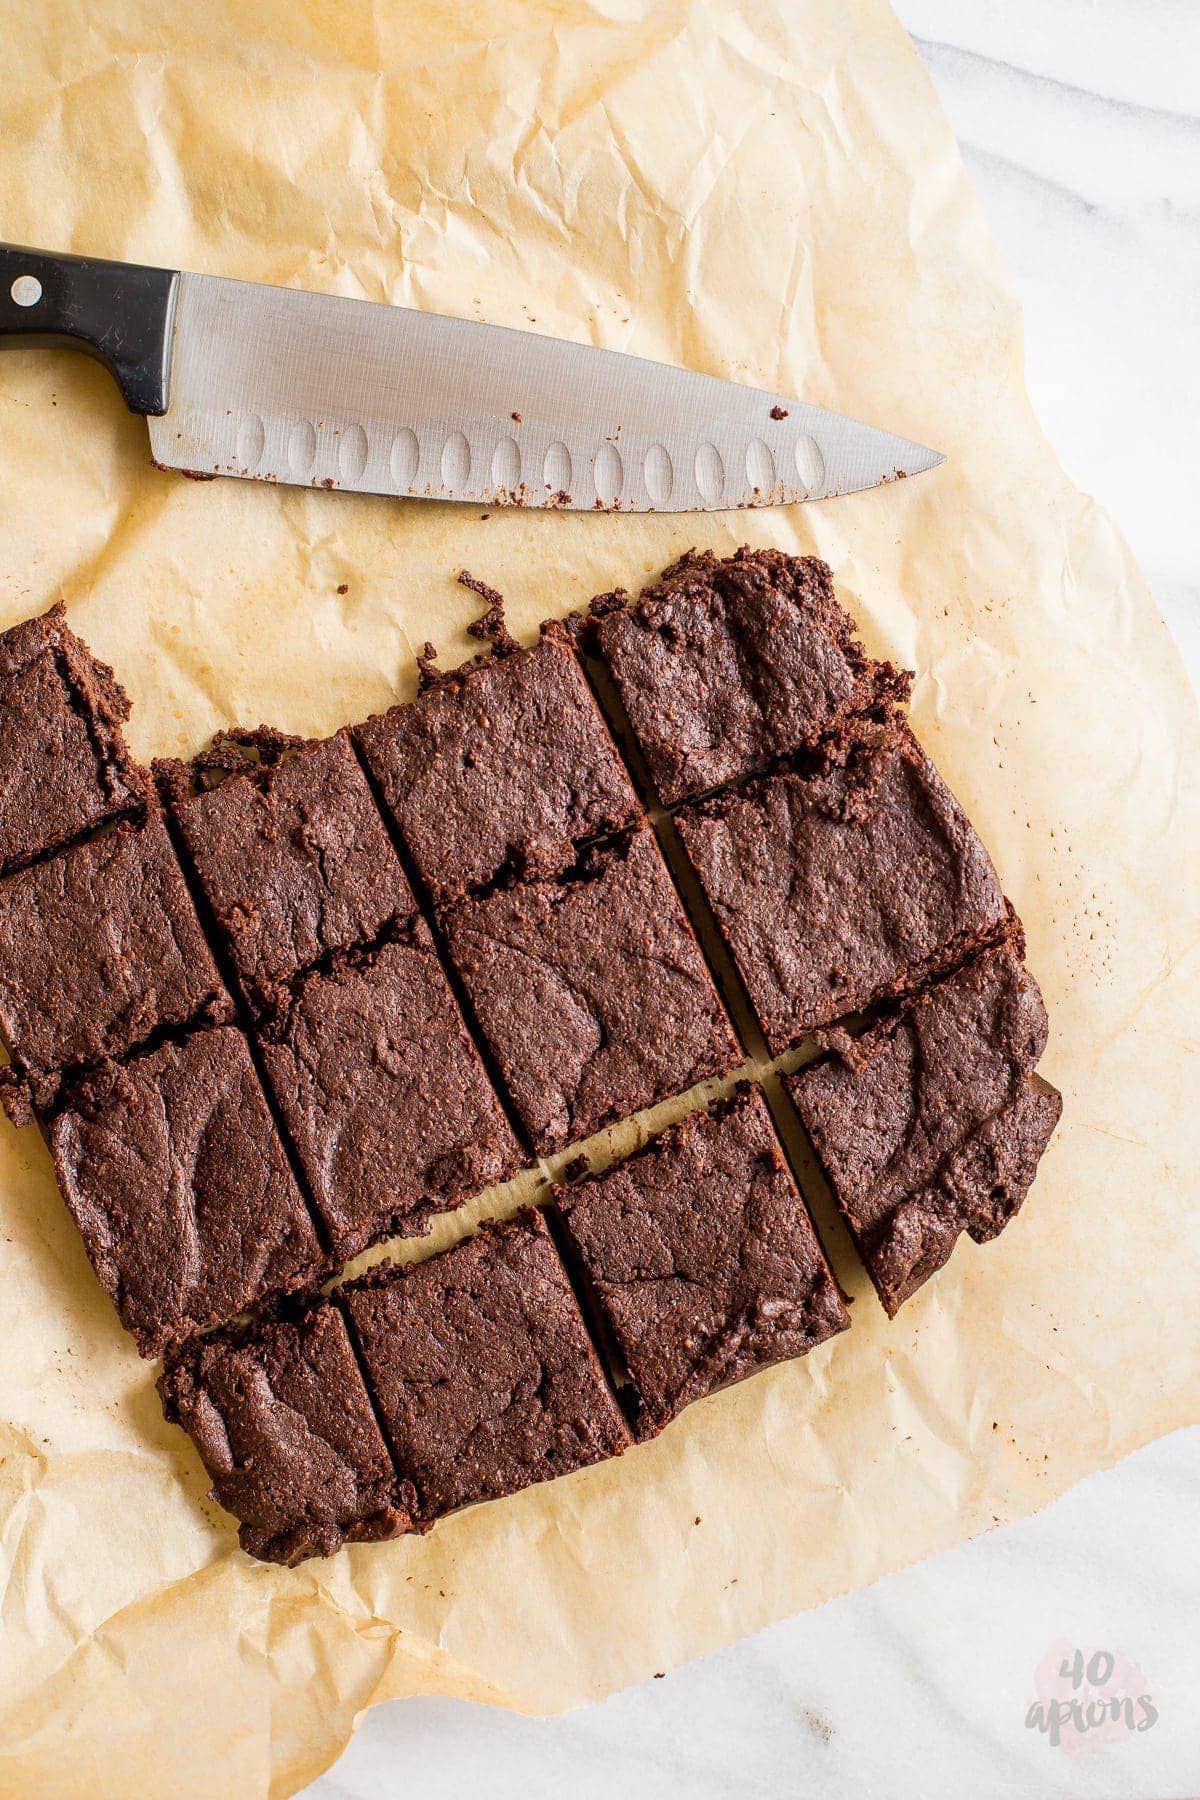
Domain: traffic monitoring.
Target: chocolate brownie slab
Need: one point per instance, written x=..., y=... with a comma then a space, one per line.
x=729, y=663
x=294, y=859
x=100, y=948
x=177, y=1180
x=64, y=768
x=285, y=1428
x=591, y=991
x=499, y=768
x=384, y=1094
x=932, y=1123
x=840, y=885
x=483, y=1371
x=702, y=1259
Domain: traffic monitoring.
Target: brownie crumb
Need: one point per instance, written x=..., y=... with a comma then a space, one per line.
x=603, y=604
x=428, y=673
x=491, y=627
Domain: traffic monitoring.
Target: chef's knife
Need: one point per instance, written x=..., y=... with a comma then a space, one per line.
x=277, y=384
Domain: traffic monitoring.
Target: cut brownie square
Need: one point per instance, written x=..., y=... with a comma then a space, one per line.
x=727, y=664
x=100, y=948
x=483, y=1371
x=384, y=1093
x=65, y=768
x=285, y=1427
x=293, y=857
x=591, y=991
x=932, y=1123
x=175, y=1176
x=701, y=1258
x=500, y=768
x=838, y=886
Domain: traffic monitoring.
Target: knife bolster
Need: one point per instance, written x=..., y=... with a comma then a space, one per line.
x=120, y=313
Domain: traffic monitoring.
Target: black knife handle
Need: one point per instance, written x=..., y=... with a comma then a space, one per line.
x=119, y=313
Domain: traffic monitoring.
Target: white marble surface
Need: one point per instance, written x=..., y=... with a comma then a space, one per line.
x=1080, y=123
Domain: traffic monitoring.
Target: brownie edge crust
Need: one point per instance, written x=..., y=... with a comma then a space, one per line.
x=284, y=1425
x=933, y=1122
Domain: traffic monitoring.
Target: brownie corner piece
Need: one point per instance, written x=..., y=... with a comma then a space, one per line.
x=384, y=1094
x=726, y=664
x=500, y=767
x=66, y=767
x=933, y=1122
x=292, y=854
x=591, y=990
x=483, y=1371
x=844, y=880
x=100, y=949
x=701, y=1259
x=172, y=1168
x=284, y=1425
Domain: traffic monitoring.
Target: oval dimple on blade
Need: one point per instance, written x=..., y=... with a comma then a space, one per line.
x=760, y=467
x=557, y=469
x=251, y=442
x=506, y=465
x=810, y=465
x=302, y=447
x=608, y=475
x=710, y=473
x=406, y=455
x=456, y=461
x=658, y=474
x=352, y=452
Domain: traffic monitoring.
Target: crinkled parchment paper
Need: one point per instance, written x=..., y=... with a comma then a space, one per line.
x=767, y=195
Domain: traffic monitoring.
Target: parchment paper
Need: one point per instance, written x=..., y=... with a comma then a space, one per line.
x=767, y=195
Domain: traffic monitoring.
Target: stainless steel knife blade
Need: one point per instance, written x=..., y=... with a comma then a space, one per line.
x=276, y=384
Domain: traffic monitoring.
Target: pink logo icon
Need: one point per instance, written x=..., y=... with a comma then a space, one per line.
x=1088, y=1698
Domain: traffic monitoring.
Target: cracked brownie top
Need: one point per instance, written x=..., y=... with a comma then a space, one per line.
x=65, y=767
x=483, y=1370
x=844, y=880
x=591, y=991
x=177, y=1180
x=384, y=1094
x=500, y=769
x=292, y=855
x=701, y=1258
x=724, y=665
x=100, y=950
x=932, y=1122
